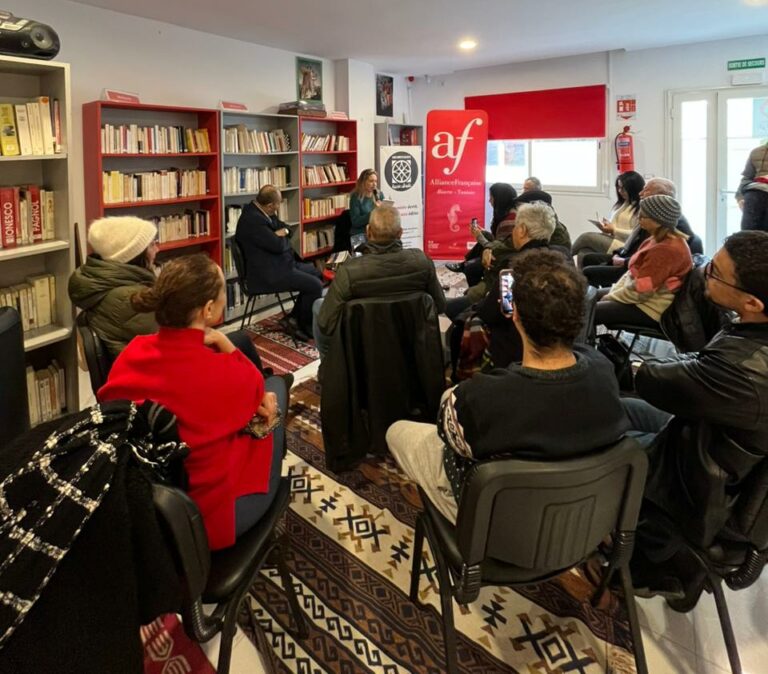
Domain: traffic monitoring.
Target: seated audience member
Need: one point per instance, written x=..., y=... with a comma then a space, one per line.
x=501, y=197
x=102, y=287
x=560, y=237
x=718, y=398
x=656, y=272
x=213, y=389
x=532, y=184
x=364, y=198
x=615, y=231
x=752, y=192
x=604, y=269
x=561, y=402
x=270, y=262
x=385, y=269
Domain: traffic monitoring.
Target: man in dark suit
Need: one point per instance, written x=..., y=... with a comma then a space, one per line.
x=270, y=263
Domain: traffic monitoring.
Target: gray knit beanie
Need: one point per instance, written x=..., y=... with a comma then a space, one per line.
x=121, y=238
x=662, y=209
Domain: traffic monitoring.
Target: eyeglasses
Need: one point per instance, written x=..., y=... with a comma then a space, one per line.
x=709, y=274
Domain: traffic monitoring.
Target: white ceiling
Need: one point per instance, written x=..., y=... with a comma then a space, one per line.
x=420, y=36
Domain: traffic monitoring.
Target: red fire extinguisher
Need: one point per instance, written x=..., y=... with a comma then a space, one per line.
x=625, y=153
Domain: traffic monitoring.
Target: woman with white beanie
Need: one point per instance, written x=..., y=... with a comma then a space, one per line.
x=124, y=250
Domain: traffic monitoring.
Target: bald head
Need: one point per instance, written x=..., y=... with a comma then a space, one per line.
x=659, y=186
x=269, y=194
x=384, y=225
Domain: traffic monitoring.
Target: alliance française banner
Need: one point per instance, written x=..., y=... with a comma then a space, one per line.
x=455, y=180
x=401, y=182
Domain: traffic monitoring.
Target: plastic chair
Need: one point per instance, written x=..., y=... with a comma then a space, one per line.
x=523, y=522
x=97, y=358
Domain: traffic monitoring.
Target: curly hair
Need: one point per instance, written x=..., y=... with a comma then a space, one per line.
x=549, y=298
x=185, y=284
x=749, y=252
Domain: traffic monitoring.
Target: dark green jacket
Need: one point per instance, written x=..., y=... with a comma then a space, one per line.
x=383, y=270
x=103, y=289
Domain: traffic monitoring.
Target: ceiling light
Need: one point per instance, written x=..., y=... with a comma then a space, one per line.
x=467, y=44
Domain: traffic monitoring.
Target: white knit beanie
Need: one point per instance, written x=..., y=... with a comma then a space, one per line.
x=121, y=238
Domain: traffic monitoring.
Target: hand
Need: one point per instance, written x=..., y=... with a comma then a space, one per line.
x=377, y=202
x=740, y=204
x=474, y=230
x=607, y=227
x=283, y=232
x=618, y=261
x=268, y=407
x=218, y=340
x=488, y=258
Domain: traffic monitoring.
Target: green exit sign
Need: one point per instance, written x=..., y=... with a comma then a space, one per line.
x=746, y=64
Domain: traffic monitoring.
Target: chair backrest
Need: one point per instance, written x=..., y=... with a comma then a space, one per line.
x=341, y=232
x=238, y=257
x=549, y=515
x=14, y=403
x=182, y=524
x=97, y=358
x=590, y=304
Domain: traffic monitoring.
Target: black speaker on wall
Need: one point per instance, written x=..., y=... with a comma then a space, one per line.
x=27, y=38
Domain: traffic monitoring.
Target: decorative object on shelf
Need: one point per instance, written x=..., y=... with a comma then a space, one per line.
x=384, y=95
x=309, y=79
x=303, y=108
x=27, y=38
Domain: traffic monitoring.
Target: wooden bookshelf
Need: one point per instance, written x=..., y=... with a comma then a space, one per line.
x=98, y=113
x=21, y=80
x=236, y=158
x=322, y=127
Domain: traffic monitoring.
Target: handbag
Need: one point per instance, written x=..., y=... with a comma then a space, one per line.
x=618, y=354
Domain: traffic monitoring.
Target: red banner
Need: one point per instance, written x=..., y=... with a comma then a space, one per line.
x=455, y=180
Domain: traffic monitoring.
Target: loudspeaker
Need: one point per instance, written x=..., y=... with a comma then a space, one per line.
x=28, y=38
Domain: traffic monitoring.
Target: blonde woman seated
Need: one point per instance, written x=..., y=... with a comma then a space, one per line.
x=213, y=389
x=656, y=271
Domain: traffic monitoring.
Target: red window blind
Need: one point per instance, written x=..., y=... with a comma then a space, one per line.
x=575, y=112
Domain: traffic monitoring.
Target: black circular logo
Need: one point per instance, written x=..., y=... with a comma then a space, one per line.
x=401, y=171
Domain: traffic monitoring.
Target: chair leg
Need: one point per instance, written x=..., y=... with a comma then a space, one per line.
x=227, y=635
x=446, y=606
x=715, y=584
x=262, y=644
x=634, y=622
x=249, y=302
x=628, y=359
x=300, y=623
x=418, y=546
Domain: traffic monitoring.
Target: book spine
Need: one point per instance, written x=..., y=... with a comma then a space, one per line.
x=36, y=128
x=57, y=137
x=46, y=124
x=7, y=212
x=35, y=213
x=9, y=141
x=22, y=126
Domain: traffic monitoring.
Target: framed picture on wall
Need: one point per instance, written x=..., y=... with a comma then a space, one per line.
x=309, y=79
x=384, y=84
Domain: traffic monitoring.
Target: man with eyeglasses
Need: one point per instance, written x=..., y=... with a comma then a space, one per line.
x=711, y=408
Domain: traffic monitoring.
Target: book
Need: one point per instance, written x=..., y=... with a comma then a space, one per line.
x=46, y=124
x=8, y=213
x=47, y=207
x=36, y=128
x=22, y=127
x=32, y=397
x=57, y=136
x=42, y=294
x=35, y=213
x=9, y=142
x=52, y=295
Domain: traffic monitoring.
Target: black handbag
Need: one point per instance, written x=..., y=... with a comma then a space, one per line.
x=618, y=354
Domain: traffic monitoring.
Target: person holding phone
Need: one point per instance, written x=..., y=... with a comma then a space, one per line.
x=624, y=216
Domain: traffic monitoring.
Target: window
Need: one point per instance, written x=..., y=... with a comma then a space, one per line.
x=572, y=165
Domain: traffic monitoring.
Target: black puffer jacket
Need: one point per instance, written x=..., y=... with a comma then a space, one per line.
x=103, y=290
x=720, y=431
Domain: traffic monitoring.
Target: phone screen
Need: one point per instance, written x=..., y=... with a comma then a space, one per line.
x=506, y=281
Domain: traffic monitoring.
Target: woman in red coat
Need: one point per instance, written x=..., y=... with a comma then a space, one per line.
x=212, y=388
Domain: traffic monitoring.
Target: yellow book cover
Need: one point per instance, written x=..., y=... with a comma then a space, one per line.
x=9, y=141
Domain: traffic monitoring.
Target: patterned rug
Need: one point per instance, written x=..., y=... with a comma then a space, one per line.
x=277, y=349
x=351, y=543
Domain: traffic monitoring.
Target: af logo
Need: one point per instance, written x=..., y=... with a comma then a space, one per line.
x=401, y=171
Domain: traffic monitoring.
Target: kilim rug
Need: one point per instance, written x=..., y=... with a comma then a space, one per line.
x=168, y=650
x=351, y=538
x=277, y=349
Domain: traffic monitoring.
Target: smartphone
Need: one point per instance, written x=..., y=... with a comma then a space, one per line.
x=474, y=222
x=506, y=281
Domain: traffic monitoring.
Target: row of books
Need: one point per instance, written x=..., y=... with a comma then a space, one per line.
x=235, y=297
x=229, y=261
x=46, y=393
x=120, y=187
x=409, y=135
x=35, y=301
x=180, y=226
x=135, y=139
x=318, y=208
x=233, y=215
x=27, y=214
x=250, y=180
x=242, y=140
x=322, y=174
x=313, y=143
x=32, y=128
x=316, y=239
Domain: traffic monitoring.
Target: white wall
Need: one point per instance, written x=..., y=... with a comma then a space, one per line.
x=646, y=73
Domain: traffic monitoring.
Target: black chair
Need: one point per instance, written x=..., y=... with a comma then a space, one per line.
x=590, y=304
x=97, y=358
x=252, y=294
x=637, y=332
x=14, y=400
x=224, y=577
x=523, y=522
x=341, y=232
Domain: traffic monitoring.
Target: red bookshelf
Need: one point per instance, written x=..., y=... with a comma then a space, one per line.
x=98, y=113
x=322, y=127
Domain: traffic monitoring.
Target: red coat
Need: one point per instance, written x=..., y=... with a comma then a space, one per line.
x=213, y=396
